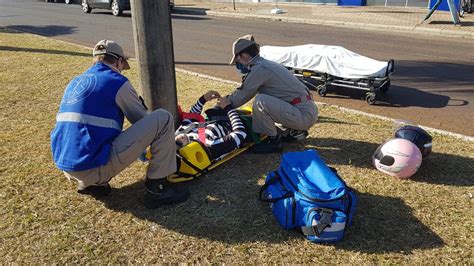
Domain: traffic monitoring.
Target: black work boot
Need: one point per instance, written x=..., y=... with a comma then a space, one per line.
x=294, y=135
x=268, y=145
x=161, y=191
x=96, y=191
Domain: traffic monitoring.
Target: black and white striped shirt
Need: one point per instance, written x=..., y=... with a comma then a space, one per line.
x=221, y=137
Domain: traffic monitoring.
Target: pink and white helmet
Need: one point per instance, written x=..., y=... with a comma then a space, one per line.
x=397, y=157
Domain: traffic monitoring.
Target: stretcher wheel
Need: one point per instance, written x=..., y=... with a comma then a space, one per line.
x=322, y=90
x=385, y=87
x=370, y=98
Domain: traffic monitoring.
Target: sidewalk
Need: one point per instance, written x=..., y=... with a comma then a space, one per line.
x=399, y=19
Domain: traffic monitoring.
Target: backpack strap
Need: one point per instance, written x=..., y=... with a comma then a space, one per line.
x=269, y=182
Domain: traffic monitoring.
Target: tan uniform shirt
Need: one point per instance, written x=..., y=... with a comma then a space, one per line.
x=128, y=101
x=270, y=78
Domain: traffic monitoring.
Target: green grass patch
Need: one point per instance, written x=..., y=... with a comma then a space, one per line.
x=426, y=219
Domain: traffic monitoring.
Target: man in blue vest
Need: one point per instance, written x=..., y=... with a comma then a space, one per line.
x=88, y=143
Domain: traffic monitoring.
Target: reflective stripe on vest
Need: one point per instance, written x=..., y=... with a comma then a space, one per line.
x=88, y=119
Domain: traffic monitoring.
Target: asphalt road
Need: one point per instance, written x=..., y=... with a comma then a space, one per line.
x=433, y=84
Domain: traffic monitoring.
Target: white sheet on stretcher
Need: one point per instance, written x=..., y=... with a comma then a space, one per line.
x=333, y=60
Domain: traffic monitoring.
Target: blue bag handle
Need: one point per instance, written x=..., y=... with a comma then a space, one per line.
x=270, y=181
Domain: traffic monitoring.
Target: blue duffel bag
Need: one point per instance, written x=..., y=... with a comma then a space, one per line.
x=304, y=193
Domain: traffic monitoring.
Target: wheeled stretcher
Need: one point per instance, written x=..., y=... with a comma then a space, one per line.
x=323, y=66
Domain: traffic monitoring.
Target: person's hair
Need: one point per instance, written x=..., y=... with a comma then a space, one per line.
x=252, y=50
x=107, y=58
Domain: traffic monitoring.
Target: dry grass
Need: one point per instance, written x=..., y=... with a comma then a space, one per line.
x=426, y=219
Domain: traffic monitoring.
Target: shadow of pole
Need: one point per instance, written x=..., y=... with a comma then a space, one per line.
x=223, y=206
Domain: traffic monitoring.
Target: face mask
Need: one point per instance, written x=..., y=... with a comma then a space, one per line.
x=242, y=68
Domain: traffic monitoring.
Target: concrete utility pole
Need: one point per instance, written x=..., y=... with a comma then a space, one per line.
x=154, y=50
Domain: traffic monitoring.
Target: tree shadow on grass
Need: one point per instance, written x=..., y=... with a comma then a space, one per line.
x=44, y=51
x=437, y=168
x=224, y=207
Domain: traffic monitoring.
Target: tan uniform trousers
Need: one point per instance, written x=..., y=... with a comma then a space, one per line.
x=155, y=129
x=268, y=110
